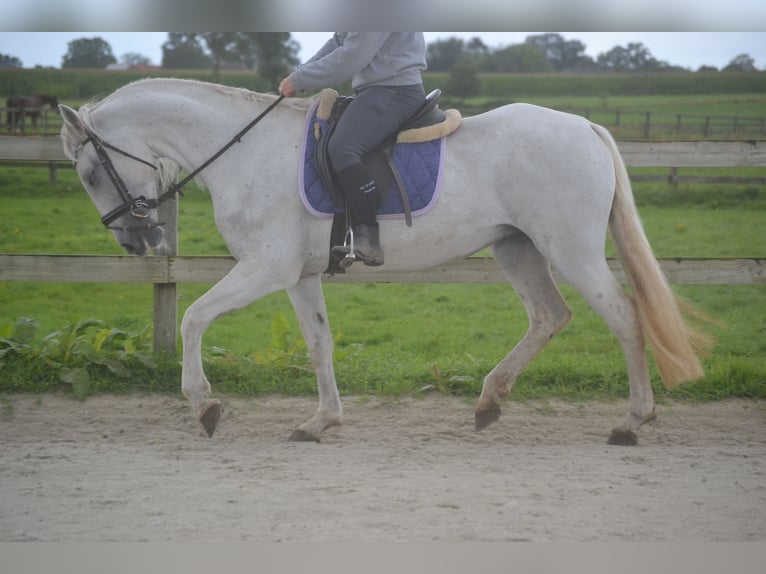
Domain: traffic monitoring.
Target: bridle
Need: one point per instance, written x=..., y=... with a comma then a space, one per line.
x=139, y=207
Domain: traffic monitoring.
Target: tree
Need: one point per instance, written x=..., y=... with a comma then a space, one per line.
x=443, y=54
x=585, y=64
x=88, y=53
x=742, y=63
x=8, y=61
x=519, y=58
x=463, y=79
x=274, y=53
x=634, y=57
x=562, y=54
x=135, y=59
x=183, y=50
x=476, y=47
x=475, y=53
x=223, y=46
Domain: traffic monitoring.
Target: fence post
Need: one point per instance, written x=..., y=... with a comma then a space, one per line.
x=52, y=178
x=673, y=177
x=165, y=294
x=648, y=125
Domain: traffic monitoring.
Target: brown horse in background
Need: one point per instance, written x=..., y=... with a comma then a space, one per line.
x=21, y=107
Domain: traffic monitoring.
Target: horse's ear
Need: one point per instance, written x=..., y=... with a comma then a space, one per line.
x=72, y=119
x=74, y=132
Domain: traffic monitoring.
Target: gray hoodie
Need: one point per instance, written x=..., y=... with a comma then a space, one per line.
x=365, y=58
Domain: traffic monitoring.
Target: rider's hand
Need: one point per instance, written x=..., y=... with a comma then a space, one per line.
x=286, y=88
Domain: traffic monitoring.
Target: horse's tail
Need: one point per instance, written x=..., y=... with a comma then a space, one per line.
x=675, y=345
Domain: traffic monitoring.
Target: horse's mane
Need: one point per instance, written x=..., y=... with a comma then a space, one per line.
x=240, y=94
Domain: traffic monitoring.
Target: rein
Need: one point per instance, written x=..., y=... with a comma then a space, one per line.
x=139, y=207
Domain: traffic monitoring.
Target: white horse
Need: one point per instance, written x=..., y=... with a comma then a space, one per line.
x=538, y=186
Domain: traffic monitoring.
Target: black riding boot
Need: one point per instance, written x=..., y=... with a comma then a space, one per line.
x=358, y=188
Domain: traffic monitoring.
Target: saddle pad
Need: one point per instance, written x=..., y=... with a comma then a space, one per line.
x=420, y=165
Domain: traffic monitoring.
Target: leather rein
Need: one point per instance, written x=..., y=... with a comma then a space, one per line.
x=139, y=207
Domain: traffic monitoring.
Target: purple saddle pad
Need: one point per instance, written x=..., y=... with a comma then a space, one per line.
x=420, y=166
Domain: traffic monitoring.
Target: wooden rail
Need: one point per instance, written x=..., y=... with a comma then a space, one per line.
x=165, y=270
x=635, y=153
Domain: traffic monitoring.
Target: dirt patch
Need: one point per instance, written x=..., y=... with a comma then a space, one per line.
x=141, y=468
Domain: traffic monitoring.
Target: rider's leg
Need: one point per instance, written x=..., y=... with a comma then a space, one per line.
x=375, y=113
x=359, y=190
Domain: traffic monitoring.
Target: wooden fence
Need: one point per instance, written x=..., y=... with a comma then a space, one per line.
x=167, y=269
x=46, y=119
x=645, y=125
x=648, y=125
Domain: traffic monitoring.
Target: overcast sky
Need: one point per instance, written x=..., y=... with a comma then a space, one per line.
x=687, y=49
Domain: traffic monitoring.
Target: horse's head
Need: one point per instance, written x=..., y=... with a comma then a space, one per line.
x=122, y=185
x=52, y=101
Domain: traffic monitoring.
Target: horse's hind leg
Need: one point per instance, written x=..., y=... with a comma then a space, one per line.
x=597, y=284
x=530, y=276
x=308, y=301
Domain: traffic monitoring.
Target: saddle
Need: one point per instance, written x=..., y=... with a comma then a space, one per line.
x=426, y=124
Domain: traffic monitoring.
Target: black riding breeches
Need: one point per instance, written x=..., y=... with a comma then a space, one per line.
x=374, y=114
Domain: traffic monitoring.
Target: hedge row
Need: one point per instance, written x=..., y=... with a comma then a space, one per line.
x=86, y=84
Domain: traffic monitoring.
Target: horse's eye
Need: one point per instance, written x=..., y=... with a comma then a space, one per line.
x=92, y=178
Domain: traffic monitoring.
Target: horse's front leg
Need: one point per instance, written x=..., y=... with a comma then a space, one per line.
x=309, y=304
x=245, y=283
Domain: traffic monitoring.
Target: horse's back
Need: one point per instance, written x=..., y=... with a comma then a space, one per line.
x=529, y=138
x=529, y=122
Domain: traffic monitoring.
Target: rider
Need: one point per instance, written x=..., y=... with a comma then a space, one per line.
x=385, y=72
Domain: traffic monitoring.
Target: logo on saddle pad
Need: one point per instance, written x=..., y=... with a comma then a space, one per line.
x=418, y=162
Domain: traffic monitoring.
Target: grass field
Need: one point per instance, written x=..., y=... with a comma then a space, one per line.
x=390, y=339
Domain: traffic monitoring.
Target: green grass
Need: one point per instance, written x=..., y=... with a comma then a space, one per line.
x=390, y=339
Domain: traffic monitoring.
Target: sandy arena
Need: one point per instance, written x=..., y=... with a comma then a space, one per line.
x=140, y=468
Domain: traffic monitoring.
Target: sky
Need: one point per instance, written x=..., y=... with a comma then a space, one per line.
x=686, y=49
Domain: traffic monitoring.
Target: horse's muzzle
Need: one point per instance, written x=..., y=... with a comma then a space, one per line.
x=140, y=242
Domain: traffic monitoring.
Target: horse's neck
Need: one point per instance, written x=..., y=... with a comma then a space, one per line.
x=189, y=122
x=181, y=121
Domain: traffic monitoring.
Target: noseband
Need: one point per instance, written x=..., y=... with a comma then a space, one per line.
x=139, y=207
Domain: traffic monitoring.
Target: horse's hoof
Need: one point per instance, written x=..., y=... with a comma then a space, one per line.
x=486, y=417
x=208, y=415
x=623, y=437
x=303, y=436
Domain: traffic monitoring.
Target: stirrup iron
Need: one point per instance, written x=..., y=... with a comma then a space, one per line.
x=348, y=243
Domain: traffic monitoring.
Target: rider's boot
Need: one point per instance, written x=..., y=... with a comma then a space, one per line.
x=358, y=187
